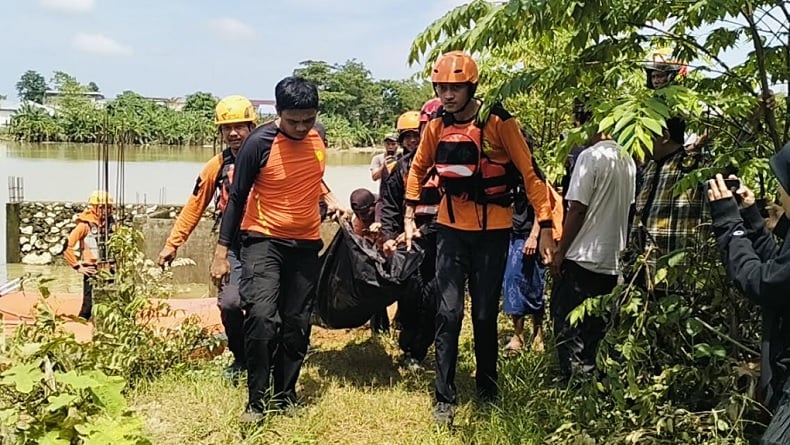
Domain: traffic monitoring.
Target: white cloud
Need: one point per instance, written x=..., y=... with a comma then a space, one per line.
x=69, y=6
x=99, y=44
x=231, y=30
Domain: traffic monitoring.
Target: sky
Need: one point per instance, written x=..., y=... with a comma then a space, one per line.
x=168, y=48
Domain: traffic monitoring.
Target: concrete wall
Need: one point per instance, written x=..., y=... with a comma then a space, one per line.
x=199, y=247
x=36, y=233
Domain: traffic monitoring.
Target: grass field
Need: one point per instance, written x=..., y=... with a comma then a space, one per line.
x=353, y=391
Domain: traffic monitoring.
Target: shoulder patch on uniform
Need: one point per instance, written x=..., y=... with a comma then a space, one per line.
x=196, y=189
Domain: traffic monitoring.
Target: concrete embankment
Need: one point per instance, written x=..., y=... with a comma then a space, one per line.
x=36, y=233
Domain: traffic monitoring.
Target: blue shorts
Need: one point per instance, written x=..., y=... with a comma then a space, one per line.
x=524, y=281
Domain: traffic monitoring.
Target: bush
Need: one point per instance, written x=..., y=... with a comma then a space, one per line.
x=58, y=391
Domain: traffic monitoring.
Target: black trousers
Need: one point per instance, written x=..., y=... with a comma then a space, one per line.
x=380, y=322
x=778, y=431
x=417, y=307
x=479, y=257
x=277, y=286
x=577, y=345
x=87, y=298
x=229, y=303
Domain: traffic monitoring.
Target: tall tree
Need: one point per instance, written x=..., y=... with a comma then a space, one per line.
x=32, y=86
x=202, y=103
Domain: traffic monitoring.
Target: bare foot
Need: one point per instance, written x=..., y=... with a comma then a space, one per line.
x=537, y=341
x=514, y=346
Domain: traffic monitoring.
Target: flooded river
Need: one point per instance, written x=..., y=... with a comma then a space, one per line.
x=164, y=175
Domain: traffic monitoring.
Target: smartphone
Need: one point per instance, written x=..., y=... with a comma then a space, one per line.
x=732, y=184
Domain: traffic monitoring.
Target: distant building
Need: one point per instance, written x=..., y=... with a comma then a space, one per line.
x=173, y=103
x=51, y=98
x=264, y=107
x=9, y=108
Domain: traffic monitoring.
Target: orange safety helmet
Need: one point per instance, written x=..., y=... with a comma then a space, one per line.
x=408, y=121
x=455, y=67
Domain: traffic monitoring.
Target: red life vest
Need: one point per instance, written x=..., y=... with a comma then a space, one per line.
x=466, y=172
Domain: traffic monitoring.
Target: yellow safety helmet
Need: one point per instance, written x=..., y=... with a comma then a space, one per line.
x=408, y=121
x=100, y=197
x=235, y=109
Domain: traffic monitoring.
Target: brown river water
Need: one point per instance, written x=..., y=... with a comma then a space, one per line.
x=156, y=174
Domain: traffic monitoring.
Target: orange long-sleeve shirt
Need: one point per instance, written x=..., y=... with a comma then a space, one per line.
x=502, y=142
x=78, y=235
x=277, y=187
x=199, y=200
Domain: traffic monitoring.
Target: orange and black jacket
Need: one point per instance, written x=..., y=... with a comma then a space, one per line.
x=503, y=142
x=202, y=195
x=277, y=187
x=81, y=234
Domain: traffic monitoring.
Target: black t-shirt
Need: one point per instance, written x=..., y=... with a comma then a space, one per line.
x=523, y=213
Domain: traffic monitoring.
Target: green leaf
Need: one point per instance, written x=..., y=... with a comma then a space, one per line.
x=23, y=377
x=676, y=258
x=76, y=381
x=60, y=401
x=53, y=438
x=109, y=394
x=625, y=120
x=29, y=349
x=653, y=125
x=661, y=275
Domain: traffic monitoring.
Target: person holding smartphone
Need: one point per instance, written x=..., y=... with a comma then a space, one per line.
x=760, y=267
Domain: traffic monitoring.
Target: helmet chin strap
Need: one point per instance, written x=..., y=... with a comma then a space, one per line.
x=469, y=99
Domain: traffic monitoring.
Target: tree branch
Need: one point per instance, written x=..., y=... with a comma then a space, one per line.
x=759, y=52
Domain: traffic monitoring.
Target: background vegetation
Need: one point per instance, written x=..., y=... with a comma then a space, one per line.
x=356, y=109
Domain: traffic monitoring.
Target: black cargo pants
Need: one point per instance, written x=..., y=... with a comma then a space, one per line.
x=277, y=287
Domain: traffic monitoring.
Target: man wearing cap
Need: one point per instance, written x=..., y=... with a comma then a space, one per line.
x=380, y=161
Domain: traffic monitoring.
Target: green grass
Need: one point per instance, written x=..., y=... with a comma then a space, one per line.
x=353, y=392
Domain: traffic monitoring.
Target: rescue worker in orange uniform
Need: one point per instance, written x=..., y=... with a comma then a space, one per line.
x=478, y=161
x=235, y=117
x=274, y=202
x=417, y=307
x=94, y=227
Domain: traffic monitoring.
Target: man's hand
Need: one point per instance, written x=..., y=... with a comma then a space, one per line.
x=555, y=266
x=389, y=246
x=717, y=189
x=546, y=244
x=374, y=228
x=410, y=230
x=747, y=198
x=775, y=213
x=530, y=246
x=220, y=267
x=166, y=256
x=88, y=270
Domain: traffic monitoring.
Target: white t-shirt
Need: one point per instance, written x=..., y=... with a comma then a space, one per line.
x=604, y=180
